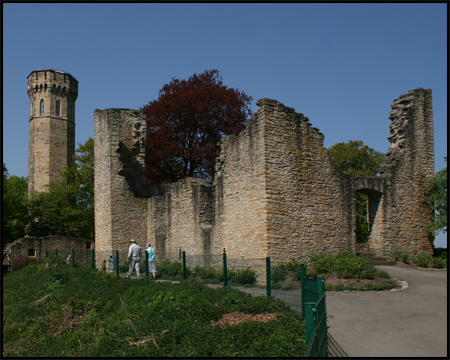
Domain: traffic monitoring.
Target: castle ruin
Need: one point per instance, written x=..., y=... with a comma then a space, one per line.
x=275, y=192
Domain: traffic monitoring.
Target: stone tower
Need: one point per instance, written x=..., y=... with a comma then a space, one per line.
x=52, y=126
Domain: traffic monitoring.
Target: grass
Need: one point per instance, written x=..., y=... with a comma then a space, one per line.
x=81, y=312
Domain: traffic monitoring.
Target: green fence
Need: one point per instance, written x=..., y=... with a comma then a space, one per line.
x=75, y=258
x=315, y=315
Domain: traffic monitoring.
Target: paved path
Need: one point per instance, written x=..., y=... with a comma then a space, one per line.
x=407, y=323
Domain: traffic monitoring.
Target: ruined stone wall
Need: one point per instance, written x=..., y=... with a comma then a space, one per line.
x=310, y=205
x=182, y=217
x=119, y=185
x=275, y=191
x=409, y=163
x=240, y=194
x=33, y=249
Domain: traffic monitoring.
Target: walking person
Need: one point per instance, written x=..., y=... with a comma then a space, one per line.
x=134, y=257
x=151, y=259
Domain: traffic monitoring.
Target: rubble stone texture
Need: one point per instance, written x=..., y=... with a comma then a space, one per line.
x=275, y=191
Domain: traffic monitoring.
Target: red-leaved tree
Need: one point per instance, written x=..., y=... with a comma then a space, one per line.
x=185, y=124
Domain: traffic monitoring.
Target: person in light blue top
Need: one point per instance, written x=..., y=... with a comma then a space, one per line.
x=151, y=260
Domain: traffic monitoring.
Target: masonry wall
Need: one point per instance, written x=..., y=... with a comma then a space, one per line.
x=16, y=254
x=182, y=217
x=275, y=191
x=240, y=194
x=51, y=135
x=310, y=204
x=409, y=163
x=120, y=191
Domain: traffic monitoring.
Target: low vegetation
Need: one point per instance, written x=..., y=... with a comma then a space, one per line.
x=347, y=265
x=54, y=310
x=438, y=260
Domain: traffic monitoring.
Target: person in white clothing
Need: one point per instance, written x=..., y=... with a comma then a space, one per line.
x=134, y=257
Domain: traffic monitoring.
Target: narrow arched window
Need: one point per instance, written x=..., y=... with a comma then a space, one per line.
x=42, y=107
x=57, y=108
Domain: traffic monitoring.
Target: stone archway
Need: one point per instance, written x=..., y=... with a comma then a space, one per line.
x=372, y=187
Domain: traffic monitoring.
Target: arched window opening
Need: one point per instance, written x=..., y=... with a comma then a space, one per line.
x=57, y=108
x=42, y=107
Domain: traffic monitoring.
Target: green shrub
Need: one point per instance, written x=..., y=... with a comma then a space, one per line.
x=402, y=256
x=172, y=270
x=242, y=276
x=439, y=263
x=440, y=252
x=311, y=273
x=54, y=261
x=386, y=285
x=279, y=274
x=206, y=273
x=423, y=260
x=124, y=267
x=322, y=263
x=382, y=274
x=293, y=269
x=354, y=267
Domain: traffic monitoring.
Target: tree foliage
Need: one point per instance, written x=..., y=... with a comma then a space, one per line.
x=68, y=207
x=186, y=122
x=14, y=203
x=356, y=159
x=437, y=196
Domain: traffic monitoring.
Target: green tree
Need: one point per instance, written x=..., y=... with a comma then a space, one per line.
x=356, y=159
x=437, y=197
x=68, y=207
x=15, y=212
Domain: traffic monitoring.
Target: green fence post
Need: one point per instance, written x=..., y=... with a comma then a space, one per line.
x=303, y=287
x=56, y=252
x=184, y=265
x=146, y=264
x=93, y=259
x=268, y=279
x=73, y=257
x=311, y=340
x=225, y=280
x=117, y=263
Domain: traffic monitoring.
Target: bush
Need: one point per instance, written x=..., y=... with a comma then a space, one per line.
x=172, y=270
x=353, y=267
x=207, y=273
x=124, y=267
x=382, y=274
x=323, y=263
x=242, y=276
x=440, y=252
x=423, y=260
x=439, y=263
x=279, y=274
x=402, y=256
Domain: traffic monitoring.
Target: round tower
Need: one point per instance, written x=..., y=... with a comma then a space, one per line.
x=52, y=126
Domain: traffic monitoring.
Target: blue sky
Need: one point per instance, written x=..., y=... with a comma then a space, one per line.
x=341, y=65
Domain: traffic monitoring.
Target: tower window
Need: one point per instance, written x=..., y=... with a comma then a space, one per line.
x=42, y=107
x=31, y=252
x=57, y=108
